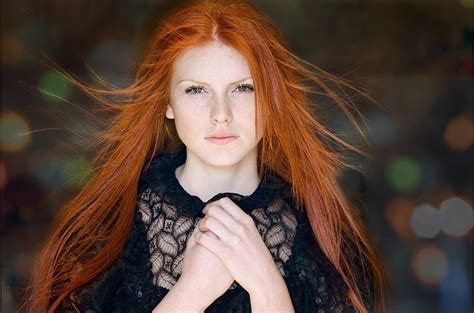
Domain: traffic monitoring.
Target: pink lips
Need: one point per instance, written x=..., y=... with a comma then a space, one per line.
x=222, y=138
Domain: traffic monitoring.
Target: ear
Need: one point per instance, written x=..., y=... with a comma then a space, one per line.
x=169, y=112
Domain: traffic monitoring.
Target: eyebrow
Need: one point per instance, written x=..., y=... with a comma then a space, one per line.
x=206, y=84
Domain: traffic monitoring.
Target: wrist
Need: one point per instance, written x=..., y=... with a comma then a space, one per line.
x=269, y=280
x=259, y=302
x=273, y=297
x=181, y=298
x=191, y=300
x=271, y=303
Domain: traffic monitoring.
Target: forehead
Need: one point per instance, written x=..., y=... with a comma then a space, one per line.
x=214, y=63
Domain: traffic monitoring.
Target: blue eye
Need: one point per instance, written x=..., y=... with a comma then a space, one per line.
x=245, y=87
x=194, y=89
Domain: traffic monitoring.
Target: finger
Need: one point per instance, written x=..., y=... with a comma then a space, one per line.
x=211, y=243
x=212, y=234
x=197, y=230
x=217, y=212
x=212, y=224
x=232, y=209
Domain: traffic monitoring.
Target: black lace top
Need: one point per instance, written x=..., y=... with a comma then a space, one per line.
x=165, y=217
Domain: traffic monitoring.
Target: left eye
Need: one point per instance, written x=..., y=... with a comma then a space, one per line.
x=245, y=87
x=194, y=89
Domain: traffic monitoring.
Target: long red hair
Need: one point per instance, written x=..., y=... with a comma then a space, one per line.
x=92, y=228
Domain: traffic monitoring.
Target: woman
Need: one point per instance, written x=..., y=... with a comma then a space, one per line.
x=214, y=190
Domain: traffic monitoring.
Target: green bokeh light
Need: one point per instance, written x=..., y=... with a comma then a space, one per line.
x=14, y=131
x=76, y=171
x=54, y=87
x=403, y=174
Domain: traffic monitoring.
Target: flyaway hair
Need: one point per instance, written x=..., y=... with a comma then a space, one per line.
x=92, y=228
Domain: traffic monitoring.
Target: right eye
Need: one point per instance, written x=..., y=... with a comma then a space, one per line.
x=194, y=89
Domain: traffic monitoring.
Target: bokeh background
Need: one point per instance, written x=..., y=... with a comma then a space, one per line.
x=413, y=57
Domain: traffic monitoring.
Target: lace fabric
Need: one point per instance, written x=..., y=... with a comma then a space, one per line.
x=151, y=260
x=171, y=215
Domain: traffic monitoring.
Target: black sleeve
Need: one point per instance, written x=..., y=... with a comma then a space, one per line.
x=95, y=295
x=126, y=286
x=313, y=283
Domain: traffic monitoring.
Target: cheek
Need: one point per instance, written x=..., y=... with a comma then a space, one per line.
x=186, y=129
x=189, y=120
x=184, y=109
x=244, y=105
x=245, y=122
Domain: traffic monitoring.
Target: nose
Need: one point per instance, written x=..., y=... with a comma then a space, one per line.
x=221, y=111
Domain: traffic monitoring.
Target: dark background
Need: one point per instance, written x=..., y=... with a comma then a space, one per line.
x=413, y=57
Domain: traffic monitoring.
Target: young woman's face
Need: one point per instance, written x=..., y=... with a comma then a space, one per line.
x=211, y=93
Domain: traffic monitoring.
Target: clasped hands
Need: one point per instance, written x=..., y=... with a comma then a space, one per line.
x=226, y=246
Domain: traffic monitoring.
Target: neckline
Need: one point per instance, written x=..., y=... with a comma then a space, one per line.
x=160, y=175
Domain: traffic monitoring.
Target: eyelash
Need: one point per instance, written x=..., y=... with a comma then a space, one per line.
x=192, y=89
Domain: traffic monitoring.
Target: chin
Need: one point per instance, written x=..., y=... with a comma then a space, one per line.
x=223, y=157
x=220, y=155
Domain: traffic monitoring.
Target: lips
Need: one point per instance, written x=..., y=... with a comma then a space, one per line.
x=222, y=138
x=222, y=135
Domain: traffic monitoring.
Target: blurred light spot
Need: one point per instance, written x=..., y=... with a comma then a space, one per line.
x=425, y=221
x=467, y=3
x=403, y=174
x=430, y=265
x=3, y=175
x=383, y=130
x=457, y=216
x=77, y=172
x=458, y=134
x=398, y=213
x=12, y=50
x=15, y=132
x=54, y=87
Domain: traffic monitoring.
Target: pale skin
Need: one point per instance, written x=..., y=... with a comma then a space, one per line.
x=225, y=245
x=211, y=92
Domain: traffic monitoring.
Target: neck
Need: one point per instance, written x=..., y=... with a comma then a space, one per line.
x=205, y=181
